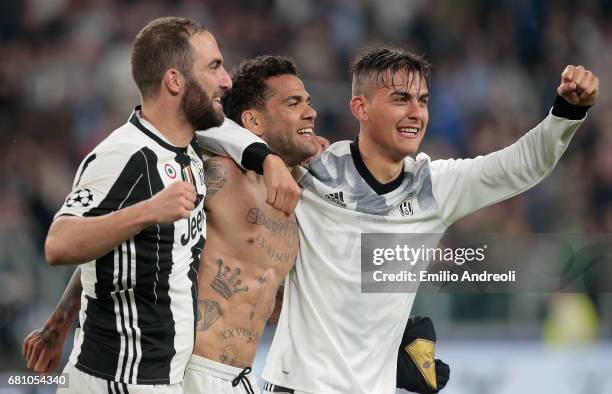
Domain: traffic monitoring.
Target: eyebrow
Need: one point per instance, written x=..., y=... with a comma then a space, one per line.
x=216, y=62
x=407, y=96
x=298, y=98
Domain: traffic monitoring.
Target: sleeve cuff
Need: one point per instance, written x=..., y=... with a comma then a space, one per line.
x=254, y=156
x=563, y=109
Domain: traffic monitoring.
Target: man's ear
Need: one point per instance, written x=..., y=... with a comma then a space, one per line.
x=173, y=81
x=358, y=106
x=251, y=119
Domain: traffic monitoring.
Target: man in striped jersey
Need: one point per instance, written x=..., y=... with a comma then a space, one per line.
x=250, y=246
x=136, y=229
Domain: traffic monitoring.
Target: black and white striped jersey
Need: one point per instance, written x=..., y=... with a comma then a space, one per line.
x=137, y=318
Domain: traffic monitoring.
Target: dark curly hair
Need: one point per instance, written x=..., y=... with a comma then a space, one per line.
x=250, y=90
x=373, y=63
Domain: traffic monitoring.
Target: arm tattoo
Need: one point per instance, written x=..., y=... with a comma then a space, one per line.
x=50, y=337
x=70, y=303
x=64, y=314
x=216, y=175
x=208, y=313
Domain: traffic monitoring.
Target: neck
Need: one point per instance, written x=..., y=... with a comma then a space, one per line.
x=175, y=128
x=380, y=165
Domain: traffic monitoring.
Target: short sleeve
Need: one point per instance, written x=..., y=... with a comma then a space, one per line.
x=104, y=183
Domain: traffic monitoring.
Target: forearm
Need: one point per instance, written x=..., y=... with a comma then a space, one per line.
x=67, y=310
x=245, y=148
x=535, y=154
x=77, y=240
x=503, y=174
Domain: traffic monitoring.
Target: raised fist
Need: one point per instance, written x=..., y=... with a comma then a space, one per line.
x=175, y=202
x=579, y=86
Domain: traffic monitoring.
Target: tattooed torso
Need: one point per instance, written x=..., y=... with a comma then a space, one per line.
x=249, y=249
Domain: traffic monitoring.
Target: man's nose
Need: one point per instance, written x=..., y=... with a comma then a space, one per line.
x=225, y=81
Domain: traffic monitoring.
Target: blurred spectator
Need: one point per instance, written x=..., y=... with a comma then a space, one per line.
x=65, y=83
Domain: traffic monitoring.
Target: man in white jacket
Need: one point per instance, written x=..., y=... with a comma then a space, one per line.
x=331, y=337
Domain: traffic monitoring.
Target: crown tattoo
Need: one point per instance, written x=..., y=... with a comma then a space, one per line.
x=226, y=282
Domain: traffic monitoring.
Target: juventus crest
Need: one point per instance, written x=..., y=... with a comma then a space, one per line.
x=406, y=207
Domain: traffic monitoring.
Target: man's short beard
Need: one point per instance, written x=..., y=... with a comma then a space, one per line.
x=198, y=107
x=292, y=152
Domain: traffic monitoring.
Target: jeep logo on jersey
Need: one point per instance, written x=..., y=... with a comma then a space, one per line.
x=194, y=228
x=170, y=171
x=405, y=208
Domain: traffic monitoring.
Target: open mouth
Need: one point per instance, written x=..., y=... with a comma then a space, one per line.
x=217, y=100
x=306, y=132
x=409, y=132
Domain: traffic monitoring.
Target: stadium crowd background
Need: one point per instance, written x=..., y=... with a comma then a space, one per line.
x=65, y=83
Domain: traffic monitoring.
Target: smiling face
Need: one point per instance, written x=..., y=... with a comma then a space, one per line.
x=208, y=80
x=396, y=114
x=288, y=119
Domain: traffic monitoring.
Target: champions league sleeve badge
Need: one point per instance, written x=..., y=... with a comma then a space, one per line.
x=80, y=199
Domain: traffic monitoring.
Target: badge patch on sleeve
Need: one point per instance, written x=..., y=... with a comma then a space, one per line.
x=80, y=199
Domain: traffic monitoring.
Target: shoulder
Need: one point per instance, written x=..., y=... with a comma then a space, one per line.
x=125, y=140
x=339, y=148
x=220, y=165
x=219, y=173
x=330, y=156
x=120, y=147
x=441, y=166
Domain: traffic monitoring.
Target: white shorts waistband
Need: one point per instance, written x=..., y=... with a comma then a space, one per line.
x=213, y=368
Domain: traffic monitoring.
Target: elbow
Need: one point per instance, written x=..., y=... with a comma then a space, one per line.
x=52, y=253
x=55, y=254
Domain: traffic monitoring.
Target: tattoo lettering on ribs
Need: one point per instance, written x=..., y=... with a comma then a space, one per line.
x=239, y=332
x=273, y=253
x=287, y=229
x=208, y=313
x=227, y=282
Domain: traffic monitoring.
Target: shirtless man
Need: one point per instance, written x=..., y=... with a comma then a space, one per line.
x=250, y=246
